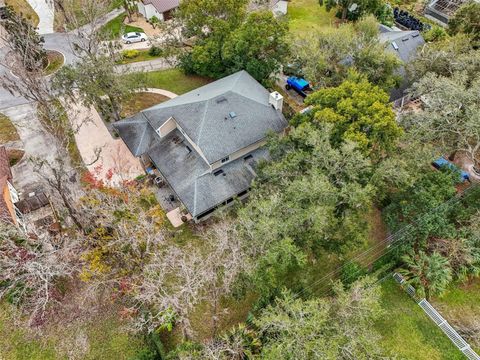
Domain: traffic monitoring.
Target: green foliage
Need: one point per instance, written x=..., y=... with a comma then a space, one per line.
x=467, y=21
x=429, y=274
x=258, y=46
x=326, y=57
x=319, y=328
x=451, y=117
x=117, y=27
x=229, y=40
x=359, y=112
x=312, y=193
x=130, y=54
x=26, y=42
x=98, y=84
x=363, y=7
x=154, y=21
x=155, y=51
x=436, y=33
x=351, y=272
x=446, y=58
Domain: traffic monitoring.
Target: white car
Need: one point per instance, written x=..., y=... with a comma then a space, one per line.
x=133, y=37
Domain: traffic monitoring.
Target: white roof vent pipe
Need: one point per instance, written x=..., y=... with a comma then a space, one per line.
x=276, y=100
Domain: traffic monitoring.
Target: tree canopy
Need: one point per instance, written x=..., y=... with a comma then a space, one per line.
x=467, y=21
x=359, y=111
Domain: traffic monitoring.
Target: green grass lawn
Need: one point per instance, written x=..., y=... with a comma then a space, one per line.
x=55, y=61
x=104, y=336
x=24, y=8
x=116, y=27
x=306, y=16
x=408, y=332
x=8, y=132
x=174, y=80
x=461, y=305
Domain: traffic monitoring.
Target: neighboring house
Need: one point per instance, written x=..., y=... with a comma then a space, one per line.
x=207, y=142
x=162, y=9
x=403, y=44
x=9, y=196
x=442, y=10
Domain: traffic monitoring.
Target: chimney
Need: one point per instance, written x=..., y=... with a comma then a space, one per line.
x=276, y=100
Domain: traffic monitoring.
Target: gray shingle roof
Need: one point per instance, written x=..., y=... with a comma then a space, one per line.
x=403, y=44
x=163, y=5
x=204, y=115
x=191, y=179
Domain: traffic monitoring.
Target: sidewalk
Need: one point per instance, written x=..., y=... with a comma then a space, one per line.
x=145, y=66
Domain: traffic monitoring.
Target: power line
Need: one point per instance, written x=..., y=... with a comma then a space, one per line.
x=393, y=239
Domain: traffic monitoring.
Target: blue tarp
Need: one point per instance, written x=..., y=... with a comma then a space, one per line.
x=442, y=162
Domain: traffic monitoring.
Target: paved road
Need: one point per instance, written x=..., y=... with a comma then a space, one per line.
x=45, y=11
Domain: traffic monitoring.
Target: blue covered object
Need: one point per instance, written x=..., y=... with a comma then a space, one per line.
x=442, y=162
x=297, y=83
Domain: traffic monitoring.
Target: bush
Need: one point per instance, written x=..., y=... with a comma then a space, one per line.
x=130, y=54
x=155, y=51
x=436, y=33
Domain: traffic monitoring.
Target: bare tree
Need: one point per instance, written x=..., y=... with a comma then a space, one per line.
x=31, y=264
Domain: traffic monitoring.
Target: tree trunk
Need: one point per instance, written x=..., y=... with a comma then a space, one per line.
x=127, y=10
x=344, y=13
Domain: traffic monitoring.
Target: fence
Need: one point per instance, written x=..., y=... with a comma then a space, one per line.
x=438, y=319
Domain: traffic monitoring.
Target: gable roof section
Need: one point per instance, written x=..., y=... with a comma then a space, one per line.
x=136, y=133
x=221, y=117
x=163, y=5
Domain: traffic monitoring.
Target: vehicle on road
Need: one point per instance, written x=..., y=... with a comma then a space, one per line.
x=300, y=85
x=444, y=163
x=133, y=37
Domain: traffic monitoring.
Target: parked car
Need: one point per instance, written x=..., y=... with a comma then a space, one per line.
x=444, y=163
x=300, y=85
x=133, y=37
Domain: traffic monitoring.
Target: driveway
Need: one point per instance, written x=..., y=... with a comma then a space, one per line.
x=36, y=142
x=45, y=11
x=116, y=163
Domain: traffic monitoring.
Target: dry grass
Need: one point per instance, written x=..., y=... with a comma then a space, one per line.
x=141, y=101
x=8, y=132
x=24, y=8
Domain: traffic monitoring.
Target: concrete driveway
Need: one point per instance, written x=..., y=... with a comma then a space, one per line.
x=116, y=163
x=45, y=11
x=36, y=143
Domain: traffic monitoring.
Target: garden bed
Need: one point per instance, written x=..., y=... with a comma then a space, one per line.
x=55, y=61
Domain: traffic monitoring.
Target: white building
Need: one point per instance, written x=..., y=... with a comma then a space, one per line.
x=162, y=9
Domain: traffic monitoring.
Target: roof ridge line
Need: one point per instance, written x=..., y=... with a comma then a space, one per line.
x=202, y=123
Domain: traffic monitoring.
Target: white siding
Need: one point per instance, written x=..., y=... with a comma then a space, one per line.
x=240, y=153
x=150, y=12
x=167, y=127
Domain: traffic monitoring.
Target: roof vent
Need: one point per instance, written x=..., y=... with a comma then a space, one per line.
x=405, y=39
x=232, y=114
x=218, y=172
x=414, y=35
x=395, y=46
x=221, y=99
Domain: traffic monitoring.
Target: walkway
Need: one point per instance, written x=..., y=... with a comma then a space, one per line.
x=45, y=11
x=116, y=163
x=166, y=93
x=145, y=66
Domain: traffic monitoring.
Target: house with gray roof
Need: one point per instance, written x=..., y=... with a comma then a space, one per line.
x=404, y=45
x=206, y=143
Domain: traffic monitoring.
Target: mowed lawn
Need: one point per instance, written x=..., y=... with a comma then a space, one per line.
x=407, y=332
x=461, y=305
x=306, y=16
x=174, y=80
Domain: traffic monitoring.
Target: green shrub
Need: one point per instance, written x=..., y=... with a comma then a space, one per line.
x=130, y=54
x=436, y=33
x=155, y=51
